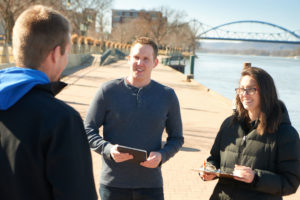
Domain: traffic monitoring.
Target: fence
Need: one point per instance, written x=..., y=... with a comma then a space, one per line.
x=6, y=54
x=81, y=46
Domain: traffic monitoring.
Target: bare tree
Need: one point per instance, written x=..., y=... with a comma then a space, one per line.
x=123, y=33
x=128, y=31
x=89, y=16
x=164, y=25
x=11, y=9
x=179, y=36
x=195, y=29
x=158, y=26
x=103, y=7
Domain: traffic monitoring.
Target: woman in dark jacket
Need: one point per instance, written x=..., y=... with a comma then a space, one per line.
x=257, y=144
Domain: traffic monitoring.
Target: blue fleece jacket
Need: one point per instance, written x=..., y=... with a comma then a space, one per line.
x=15, y=82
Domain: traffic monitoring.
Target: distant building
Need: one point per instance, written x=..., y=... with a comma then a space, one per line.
x=82, y=22
x=122, y=16
x=89, y=21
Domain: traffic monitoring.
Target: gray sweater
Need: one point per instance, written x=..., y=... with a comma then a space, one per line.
x=137, y=118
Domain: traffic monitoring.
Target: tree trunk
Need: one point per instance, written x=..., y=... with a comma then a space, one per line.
x=9, y=24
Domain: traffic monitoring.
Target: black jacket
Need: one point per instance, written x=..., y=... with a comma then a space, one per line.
x=44, y=153
x=274, y=157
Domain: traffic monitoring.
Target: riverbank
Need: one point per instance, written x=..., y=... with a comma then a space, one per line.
x=221, y=73
x=202, y=112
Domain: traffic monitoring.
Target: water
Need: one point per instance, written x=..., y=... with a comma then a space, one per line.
x=221, y=73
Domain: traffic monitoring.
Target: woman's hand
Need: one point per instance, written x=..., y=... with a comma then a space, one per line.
x=243, y=173
x=207, y=176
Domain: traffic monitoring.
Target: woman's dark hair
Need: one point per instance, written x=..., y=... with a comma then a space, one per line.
x=270, y=109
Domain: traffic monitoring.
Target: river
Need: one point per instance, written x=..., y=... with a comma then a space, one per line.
x=221, y=73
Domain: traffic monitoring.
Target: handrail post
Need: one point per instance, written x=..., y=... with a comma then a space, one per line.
x=192, y=62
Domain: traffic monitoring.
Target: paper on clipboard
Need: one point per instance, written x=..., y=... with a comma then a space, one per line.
x=218, y=173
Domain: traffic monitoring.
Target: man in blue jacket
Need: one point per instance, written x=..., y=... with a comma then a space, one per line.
x=134, y=112
x=44, y=153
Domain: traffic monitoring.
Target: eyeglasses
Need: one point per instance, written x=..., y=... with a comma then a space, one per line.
x=249, y=91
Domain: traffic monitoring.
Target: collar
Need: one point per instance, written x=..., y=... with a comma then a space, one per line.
x=54, y=87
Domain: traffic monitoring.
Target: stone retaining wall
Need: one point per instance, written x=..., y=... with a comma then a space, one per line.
x=74, y=61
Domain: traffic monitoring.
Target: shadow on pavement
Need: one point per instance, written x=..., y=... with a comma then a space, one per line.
x=189, y=149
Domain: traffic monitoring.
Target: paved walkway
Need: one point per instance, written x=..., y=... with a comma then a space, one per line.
x=202, y=113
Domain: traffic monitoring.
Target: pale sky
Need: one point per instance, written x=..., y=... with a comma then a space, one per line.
x=285, y=13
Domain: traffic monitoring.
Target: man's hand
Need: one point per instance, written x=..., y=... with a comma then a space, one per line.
x=153, y=160
x=118, y=156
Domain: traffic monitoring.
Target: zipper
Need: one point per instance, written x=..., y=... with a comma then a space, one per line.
x=244, y=140
x=241, y=147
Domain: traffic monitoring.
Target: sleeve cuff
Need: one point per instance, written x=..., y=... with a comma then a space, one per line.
x=106, y=152
x=255, y=179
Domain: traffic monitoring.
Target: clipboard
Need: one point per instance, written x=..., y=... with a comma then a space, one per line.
x=218, y=173
x=139, y=155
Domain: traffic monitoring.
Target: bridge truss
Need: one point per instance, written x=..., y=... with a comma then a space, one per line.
x=223, y=32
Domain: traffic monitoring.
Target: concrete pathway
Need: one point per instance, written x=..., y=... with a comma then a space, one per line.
x=202, y=113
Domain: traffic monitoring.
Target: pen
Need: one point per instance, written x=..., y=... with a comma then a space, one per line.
x=202, y=177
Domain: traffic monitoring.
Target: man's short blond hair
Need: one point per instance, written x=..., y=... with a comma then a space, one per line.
x=147, y=41
x=37, y=31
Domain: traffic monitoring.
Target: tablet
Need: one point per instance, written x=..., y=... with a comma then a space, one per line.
x=139, y=155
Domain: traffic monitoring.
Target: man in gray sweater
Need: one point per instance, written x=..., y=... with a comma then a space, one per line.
x=134, y=112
